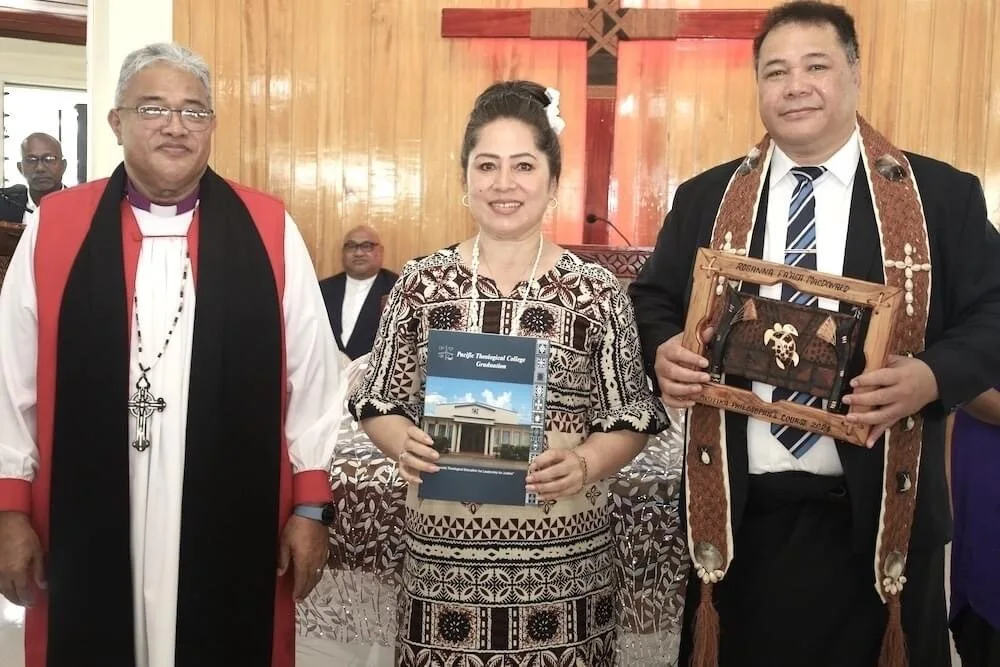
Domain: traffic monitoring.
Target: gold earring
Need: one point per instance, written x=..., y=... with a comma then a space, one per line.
x=553, y=202
x=465, y=200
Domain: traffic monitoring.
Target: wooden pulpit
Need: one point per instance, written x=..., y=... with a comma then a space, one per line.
x=10, y=234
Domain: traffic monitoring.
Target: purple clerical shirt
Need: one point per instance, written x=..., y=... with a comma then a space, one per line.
x=975, y=481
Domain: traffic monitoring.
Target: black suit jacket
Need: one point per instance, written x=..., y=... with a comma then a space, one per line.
x=363, y=336
x=963, y=330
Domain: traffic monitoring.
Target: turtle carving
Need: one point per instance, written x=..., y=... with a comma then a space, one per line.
x=781, y=339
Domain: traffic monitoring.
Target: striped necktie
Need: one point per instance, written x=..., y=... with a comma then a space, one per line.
x=800, y=251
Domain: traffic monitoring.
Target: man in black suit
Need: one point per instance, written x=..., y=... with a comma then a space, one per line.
x=355, y=296
x=801, y=588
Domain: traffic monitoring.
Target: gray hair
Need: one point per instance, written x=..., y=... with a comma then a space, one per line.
x=163, y=53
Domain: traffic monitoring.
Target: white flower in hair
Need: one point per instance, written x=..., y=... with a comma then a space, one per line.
x=552, y=111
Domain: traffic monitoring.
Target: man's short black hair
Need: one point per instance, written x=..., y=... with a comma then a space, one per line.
x=811, y=12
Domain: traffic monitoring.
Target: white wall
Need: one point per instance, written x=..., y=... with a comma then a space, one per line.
x=115, y=28
x=43, y=64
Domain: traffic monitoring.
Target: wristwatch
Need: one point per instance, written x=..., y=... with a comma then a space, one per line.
x=323, y=513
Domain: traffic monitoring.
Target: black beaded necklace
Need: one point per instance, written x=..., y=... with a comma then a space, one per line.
x=142, y=404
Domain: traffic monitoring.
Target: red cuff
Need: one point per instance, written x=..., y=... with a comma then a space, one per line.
x=311, y=487
x=15, y=495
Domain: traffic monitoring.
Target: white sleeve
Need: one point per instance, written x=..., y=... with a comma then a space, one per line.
x=315, y=370
x=19, y=363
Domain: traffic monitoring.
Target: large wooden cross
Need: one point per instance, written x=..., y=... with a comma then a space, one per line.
x=603, y=24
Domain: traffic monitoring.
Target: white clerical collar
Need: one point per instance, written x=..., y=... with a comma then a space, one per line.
x=152, y=224
x=164, y=211
x=843, y=164
x=144, y=203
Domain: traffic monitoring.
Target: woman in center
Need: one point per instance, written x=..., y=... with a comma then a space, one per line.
x=498, y=585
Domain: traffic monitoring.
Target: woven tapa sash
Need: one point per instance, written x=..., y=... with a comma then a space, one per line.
x=905, y=253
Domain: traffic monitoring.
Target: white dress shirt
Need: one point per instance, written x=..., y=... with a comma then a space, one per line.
x=833, y=192
x=355, y=293
x=32, y=215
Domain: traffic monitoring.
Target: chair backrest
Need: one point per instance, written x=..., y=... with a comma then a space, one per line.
x=625, y=263
x=10, y=234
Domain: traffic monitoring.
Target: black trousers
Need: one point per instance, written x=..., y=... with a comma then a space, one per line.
x=977, y=642
x=797, y=595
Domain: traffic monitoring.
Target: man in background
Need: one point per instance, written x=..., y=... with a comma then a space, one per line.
x=354, y=297
x=42, y=165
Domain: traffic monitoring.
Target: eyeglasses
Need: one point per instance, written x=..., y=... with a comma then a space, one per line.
x=193, y=119
x=32, y=161
x=364, y=246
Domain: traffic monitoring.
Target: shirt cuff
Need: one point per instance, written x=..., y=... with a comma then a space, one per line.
x=15, y=495
x=310, y=487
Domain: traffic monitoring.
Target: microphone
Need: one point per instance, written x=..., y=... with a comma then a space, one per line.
x=591, y=219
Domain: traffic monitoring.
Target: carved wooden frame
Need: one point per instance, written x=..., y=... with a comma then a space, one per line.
x=885, y=302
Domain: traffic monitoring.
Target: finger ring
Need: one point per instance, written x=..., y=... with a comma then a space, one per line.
x=401, y=455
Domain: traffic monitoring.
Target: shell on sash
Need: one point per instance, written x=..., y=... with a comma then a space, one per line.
x=750, y=162
x=895, y=563
x=890, y=168
x=903, y=481
x=708, y=556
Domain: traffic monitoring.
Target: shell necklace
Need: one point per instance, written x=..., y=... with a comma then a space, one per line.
x=474, y=316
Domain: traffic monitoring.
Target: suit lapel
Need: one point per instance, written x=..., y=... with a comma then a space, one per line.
x=738, y=455
x=861, y=248
x=368, y=317
x=337, y=301
x=759, y=227
x=862, y=260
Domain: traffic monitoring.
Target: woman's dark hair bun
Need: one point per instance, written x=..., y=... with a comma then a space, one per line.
x=526, y=101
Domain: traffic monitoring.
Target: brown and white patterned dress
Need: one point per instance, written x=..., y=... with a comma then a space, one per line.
x=500, y=586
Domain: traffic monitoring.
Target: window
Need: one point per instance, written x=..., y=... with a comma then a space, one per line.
x=61, y=112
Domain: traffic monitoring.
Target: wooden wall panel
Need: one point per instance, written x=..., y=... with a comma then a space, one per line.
x=353, y=110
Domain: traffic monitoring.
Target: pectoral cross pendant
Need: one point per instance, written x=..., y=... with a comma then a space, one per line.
x=141, y=405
